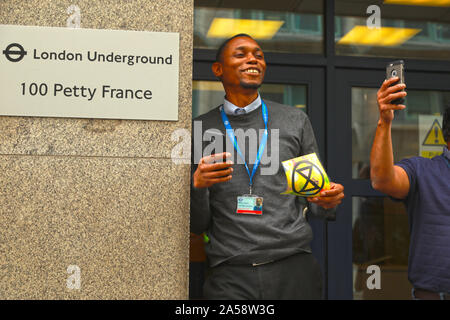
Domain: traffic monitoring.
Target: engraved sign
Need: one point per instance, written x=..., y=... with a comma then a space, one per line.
x=88, y=73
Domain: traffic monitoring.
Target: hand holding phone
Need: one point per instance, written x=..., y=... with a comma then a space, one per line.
x=213, y=169
x=392, y=92
x=396, y=69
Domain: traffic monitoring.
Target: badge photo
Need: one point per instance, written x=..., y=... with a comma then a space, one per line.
x=250, y=204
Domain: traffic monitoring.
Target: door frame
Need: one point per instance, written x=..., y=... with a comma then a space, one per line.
x=339, y=151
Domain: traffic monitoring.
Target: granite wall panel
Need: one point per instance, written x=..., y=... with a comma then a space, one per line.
x=102, y=195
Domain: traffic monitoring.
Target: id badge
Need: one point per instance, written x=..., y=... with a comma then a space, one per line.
x=249, y=204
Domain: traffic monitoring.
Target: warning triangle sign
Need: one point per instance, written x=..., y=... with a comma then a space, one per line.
x=434, y=136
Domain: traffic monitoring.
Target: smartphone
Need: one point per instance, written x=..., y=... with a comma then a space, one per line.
x=214, y=144
x=396, y=69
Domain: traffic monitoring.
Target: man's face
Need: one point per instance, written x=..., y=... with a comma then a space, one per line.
x=242, y=64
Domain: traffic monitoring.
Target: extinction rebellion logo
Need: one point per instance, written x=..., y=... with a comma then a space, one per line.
x=14, y=52
x=313, y=179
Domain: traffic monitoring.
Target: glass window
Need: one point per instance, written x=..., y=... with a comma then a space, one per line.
x=207, y=95
x=284, y=27
x=416, y=130
x=409, y=29
x=380, y=238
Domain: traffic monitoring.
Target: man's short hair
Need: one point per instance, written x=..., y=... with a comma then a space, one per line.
x=224, y=44
x=446, y=123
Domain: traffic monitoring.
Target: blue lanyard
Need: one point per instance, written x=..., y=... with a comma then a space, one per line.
x=233, y=139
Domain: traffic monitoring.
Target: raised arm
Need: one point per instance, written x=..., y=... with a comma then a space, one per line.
x=385, y=176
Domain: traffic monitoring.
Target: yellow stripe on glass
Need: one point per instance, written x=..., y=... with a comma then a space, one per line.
x=258, y=29
x=429, y=3
x=384, y=36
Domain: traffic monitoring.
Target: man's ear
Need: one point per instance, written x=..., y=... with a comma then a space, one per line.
x=217, y=69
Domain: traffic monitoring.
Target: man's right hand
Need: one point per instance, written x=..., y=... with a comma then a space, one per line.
x=384, y=97
x=213, y=169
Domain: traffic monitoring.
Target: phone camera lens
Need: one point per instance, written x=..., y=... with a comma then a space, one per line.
x=394, y=73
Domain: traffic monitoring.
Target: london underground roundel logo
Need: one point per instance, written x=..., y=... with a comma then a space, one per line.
x=14, y=52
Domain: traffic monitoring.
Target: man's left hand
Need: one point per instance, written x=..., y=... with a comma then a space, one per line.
x=329, y=199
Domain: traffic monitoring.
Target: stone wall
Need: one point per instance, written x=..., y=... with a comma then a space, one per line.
x=101, y=195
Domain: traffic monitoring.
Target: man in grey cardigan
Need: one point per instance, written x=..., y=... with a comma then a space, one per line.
x=263, y=253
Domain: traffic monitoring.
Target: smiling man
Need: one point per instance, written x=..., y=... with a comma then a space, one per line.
x=263, y=253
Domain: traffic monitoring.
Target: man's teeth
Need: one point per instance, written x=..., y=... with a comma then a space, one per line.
x=252, y=71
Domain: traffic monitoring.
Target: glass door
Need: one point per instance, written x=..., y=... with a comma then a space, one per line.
x=371, y=229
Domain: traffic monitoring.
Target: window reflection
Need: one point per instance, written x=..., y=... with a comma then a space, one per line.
x=420, y=31
x=409, y=128
x=381, y=238
x=282, y=28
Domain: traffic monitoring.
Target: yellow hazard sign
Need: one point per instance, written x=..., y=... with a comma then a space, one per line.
x=431, y=139
x=434, y=137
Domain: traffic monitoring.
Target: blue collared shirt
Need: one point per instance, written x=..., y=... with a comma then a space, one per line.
x=231, y=109
x=427, y=204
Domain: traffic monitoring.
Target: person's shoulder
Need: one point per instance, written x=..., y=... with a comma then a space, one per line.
x=439, y=158
x=413, y=160
x=416, y=163
x=285, y=110
x=420, y=160
x=210, y=115
x=439, y=162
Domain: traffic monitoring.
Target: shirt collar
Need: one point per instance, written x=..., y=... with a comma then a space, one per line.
x=230, y=108
x=446, y=153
